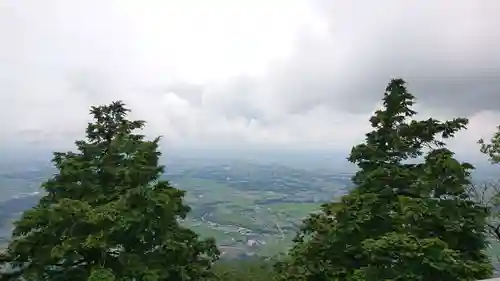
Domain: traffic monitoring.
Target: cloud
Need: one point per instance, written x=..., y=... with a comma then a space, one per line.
x=447, y=54
x=244, y=73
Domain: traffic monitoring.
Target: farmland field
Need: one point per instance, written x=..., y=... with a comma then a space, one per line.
x=253, y=209
x=250, y=209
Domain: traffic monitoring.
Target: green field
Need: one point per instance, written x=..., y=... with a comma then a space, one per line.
x=243, y=219
x=248, y=208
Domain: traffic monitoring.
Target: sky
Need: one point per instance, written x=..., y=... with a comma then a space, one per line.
x=294, y=74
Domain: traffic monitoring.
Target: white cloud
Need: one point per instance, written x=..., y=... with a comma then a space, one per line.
x=292, y=73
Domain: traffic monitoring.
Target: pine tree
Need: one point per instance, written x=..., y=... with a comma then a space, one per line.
x=407, y=218
x=106, y=215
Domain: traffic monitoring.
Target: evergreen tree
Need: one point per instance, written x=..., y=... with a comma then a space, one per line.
x=106, y=214
x=405, y=219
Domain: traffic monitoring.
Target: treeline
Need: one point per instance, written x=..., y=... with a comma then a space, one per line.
x=108, y=216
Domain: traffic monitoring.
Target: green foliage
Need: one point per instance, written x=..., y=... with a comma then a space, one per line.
x=405, y=220
x=253, y=269
x=492, y=149
x=106, y=214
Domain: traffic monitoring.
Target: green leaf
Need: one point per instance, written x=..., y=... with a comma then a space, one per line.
x=101, y=274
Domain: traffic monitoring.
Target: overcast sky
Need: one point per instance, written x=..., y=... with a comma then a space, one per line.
x=247, y=73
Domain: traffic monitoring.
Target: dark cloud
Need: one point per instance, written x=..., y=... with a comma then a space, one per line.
x=56, y=59
x=447, y=53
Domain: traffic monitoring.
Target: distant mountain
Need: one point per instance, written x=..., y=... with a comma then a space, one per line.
x=19, y=204
x=11, y=209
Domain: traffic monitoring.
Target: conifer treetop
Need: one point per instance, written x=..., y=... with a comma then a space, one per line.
x=107, y=214
x=407, y=218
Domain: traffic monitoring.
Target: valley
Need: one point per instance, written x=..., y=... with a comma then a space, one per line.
x=249, y=208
